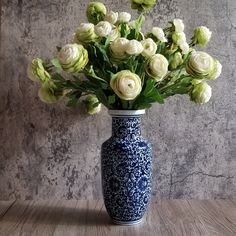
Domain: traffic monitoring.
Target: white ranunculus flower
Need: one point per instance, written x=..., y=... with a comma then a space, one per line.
x=85, y=33
x=179, y=25
x=118, y=48
x=115, y=33
x=149, y=47
x=201, y=93
x=124, y=17
x=184, y=47
x=126, y=85
x=134, y=47
x=112, y=17
x=103, y=28
x=216, y=71
x=159, y=33
x=179, y=38
x=157, y=67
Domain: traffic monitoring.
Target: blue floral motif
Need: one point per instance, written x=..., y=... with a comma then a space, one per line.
x=126, y=170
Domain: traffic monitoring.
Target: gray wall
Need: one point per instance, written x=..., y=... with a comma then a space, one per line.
x=53, y=151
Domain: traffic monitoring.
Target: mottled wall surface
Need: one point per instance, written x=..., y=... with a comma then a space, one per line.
x=54, y=152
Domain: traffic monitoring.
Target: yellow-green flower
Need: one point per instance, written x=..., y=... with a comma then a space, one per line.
x=92, y=105
x=85, y=33
x=202, y=36
x=96, y=12
x=176, y=61
x=142, y=5
x=201, y=93
x=73, y=57
x=126, y=85
x=36, y=71
x=49, y=93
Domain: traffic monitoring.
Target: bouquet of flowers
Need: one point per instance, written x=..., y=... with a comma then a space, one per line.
x=112, y=62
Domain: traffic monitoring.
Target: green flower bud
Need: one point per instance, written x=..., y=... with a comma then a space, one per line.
x=201, y=65
x=96, y=12
x=176, y=61
x=202, y=36
x=201, y=93
x=73, y=57
x=126, y=85
x=157, y=67
x=49, y=93
x=92, y=104
x=36, y=71
x=142, y=5
x=85, y=33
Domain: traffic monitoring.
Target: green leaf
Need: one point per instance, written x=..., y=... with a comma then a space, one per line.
x=57, y=64
x=112, y=99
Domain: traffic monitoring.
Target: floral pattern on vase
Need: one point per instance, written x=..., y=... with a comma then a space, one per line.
x=126, y=170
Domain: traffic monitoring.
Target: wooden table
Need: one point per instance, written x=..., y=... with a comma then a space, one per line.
x=164, y=217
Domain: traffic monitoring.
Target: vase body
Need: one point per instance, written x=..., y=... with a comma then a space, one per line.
x=126, y=164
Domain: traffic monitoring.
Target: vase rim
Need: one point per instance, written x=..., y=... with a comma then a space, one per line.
x=114, y=113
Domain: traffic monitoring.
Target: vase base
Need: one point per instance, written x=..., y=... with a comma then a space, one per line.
x=119, y=222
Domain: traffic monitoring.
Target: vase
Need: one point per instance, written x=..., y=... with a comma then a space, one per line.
x=126, y=166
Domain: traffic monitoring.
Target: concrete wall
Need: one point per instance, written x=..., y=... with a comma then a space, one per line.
x=54, y=152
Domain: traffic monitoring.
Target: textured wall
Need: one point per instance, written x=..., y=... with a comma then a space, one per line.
x=53, y=151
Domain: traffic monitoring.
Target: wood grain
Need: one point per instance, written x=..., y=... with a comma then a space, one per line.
x=88, y=218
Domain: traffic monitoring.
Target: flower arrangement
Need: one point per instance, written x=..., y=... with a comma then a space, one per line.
x=112, y=62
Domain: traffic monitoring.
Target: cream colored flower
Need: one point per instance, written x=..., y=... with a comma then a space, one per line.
x=126, y=85
x=118, y=48
x=179, y=25
x=85, y=33
x=103, y=28
x=157, y=67
x=124, y=17
x=134, y=47
x=112, y=17
x=149, y=47
x=201, y=93
x=159, y=33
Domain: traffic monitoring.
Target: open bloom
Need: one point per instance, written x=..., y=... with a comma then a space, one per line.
x=142, y=5
x=73, y=57
x=179, y=25
x=202, y=65
x=157, y=67
x=96, y=12
x=85, y=33
x=92, y=104
x=202, y=36
x=118, y=48
x=103, y=28
x=149, y=47
x=134, y=47
x=36, y=71
x=159, y=34
x=201, y=93
x=112, y=17
x=126, y=85
x=49, y=93
x=124, y=17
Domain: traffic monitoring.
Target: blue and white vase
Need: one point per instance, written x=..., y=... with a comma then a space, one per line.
x=126, y=168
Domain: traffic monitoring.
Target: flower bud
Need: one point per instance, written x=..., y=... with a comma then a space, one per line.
x=126, y=85
x=178, y=25
x=149, y=47
x=159, y=34
x=184, y=47
x=201, y=93
x=118, y=49
x=85, y=33
x=134, y=47
x=142, y=5
x=73, y=57
x=92, y=104
x=49, y=93
x=202, y=36
x=157, y=67
x=179, y=38
x=96, y=12
x=103, y=29
x=36, y=71
x=176, y=61
x=124, y=17
x=216, y=72
x=112, y=17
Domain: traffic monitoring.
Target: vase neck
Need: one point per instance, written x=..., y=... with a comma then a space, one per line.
x=126, y=126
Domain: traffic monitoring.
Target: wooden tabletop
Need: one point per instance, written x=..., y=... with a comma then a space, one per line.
x=164, y=218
